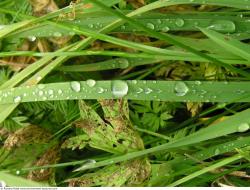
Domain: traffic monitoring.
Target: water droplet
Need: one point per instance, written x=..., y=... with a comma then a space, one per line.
x=197, y=82
x=41, y=86
x=2, y=27
x=71, y=33
x=240, y=91
x=151, y=26
x=119, y=88
x=88, y=163
x=50, y=92
x=2, y=183
x=17, y=99
x=38, y=78
x=139, y=90
x=90, y=25
x=123, y=27
x=75, y=86
x=203, y=92
x=32, y=38
x=165, y=29
x=57, y=34
x=148, y=90
x=179, y=22
x=40, y=93
x=217, y=151
x=243, y=127
x=123, y=63
x=134, y=81
x=180, y=89
x=100, y=90
x=91, y=82
x=223, y=25
x=59, y=91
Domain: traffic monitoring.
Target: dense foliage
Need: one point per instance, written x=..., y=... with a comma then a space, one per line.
x=124, y=93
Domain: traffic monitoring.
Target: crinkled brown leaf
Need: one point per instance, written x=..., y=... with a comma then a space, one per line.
x=130, y=173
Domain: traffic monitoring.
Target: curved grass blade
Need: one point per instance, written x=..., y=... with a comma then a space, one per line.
x=161, y=23
x=13, y=27
x=132, y=57
x=232, y=45
x=117, y=23
x=207, y=169
x=171, y=40
x=7, y=109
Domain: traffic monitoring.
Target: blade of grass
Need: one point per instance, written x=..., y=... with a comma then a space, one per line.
x=13, y=27
x=207, y=169
x=14, y=181
x=232, y=45
x=135, y=90
x=117, y=23
x=169, y=39
x=176, y=55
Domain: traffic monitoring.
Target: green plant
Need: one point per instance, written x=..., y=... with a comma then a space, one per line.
x=124, y=93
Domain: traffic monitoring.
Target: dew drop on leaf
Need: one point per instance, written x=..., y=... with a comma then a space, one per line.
x=17, y=99
x=2, y=183
x=197, y=82
x=165, y=29
x=123, y=63
x=88, y=163
x=179, y=22
x=91, y=82
x=119, y=88
x=148, y=90
x=57, y=34
x=243, y=127
x=180, y=89
x=75, y=86
x=151, y=26
x=100, y=90
x=139, y=90
x=32, y=38
x=41, y=86
x=50, y=92
x=60, y=91
x=217, y=151
x=223, y=25
x=134, y=81
x=40, y=93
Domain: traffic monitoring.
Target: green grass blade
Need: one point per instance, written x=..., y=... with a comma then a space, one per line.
x=11, y=28
x=176, y=91
x=207, y=169
x=232, y=45
x=171, y=40
x=14, y=181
